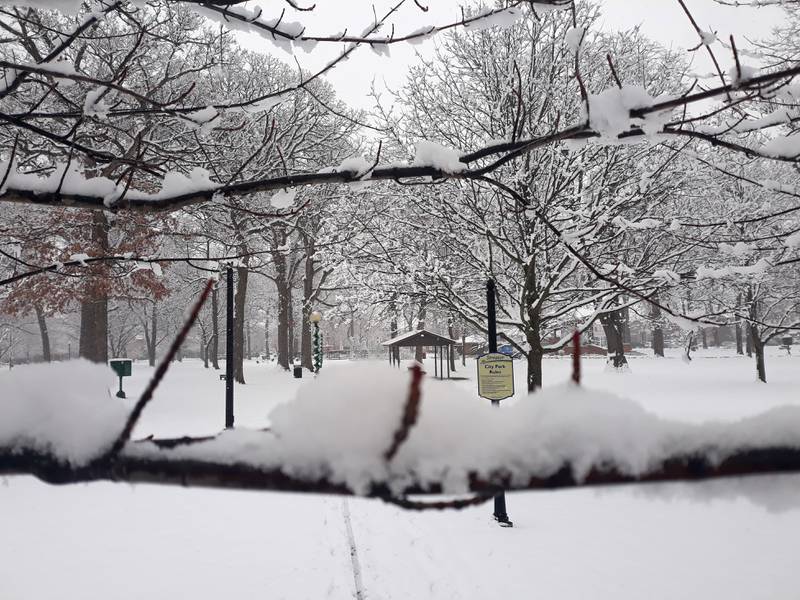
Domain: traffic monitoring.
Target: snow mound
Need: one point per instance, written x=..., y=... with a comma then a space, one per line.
x=283, y=198
x=342, y=422
x=348, y=416
x=63, y=409
x=610, y=111
x=431, y=154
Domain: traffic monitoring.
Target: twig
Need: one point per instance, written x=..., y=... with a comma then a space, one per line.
x=161, y=370
x=410, y=413
x=457, y=504
x=613, y=71
x=736, y=59
x=10, y=161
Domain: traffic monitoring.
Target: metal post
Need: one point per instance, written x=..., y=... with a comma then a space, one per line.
x=500, y=514
x=491, y=315
x=229, y=353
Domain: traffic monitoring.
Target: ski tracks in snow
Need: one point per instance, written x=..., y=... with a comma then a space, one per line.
x=403, y=554
x=351, y=542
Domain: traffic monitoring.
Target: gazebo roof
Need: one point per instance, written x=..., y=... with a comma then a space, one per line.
x=419, y=337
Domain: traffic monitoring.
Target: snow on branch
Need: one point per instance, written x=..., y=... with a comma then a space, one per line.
x=284, y=34
x=757, y=3
x=333, y=438
x=432, y=161
x=287, y=35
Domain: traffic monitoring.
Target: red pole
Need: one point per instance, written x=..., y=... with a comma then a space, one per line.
x=576, y=357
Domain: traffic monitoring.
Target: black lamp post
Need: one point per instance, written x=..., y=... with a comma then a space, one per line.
x=229, y=351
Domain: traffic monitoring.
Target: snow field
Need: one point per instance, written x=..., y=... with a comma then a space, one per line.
x=725, y=539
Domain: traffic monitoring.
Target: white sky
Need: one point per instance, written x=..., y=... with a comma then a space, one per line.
x=662, y=20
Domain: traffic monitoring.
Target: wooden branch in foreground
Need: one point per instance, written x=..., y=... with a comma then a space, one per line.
x=242, y=476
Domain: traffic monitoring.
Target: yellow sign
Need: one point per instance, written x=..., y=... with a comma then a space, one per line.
x=495, y=376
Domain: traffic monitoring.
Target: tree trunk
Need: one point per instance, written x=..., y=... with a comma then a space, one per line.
x=689, y=346
x=534, y=375
x=658, y=331
x=758, y=348
x=266, y=336
x=749, y=327
x=204, y=348
x=739, y=344
x=704, y=336
x=151, y=346
x=306, y=354
x=239, y=303
x=613, y=327
x=739, y=340
x=534, y=371
x=40, y=318
x=282, y=287
x=306, y=357
x=755, y=338
x=249, y=345
x=658, y=341
x=625, y=325
x=351, y=334
x=215, y=326
x=283, y=331
x=150, y=333
x=93, y=344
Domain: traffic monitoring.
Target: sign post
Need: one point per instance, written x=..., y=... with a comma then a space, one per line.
x=495, y=382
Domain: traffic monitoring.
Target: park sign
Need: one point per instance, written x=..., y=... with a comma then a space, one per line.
x=495, y=376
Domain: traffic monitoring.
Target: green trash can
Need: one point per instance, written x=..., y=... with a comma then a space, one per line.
x=122, y=367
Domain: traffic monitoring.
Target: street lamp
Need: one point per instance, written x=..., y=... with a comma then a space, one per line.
x=315, y=317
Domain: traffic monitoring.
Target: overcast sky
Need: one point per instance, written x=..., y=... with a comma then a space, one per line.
x=662, y=20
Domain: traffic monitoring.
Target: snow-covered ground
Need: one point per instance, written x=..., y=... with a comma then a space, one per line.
x=726, y=539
